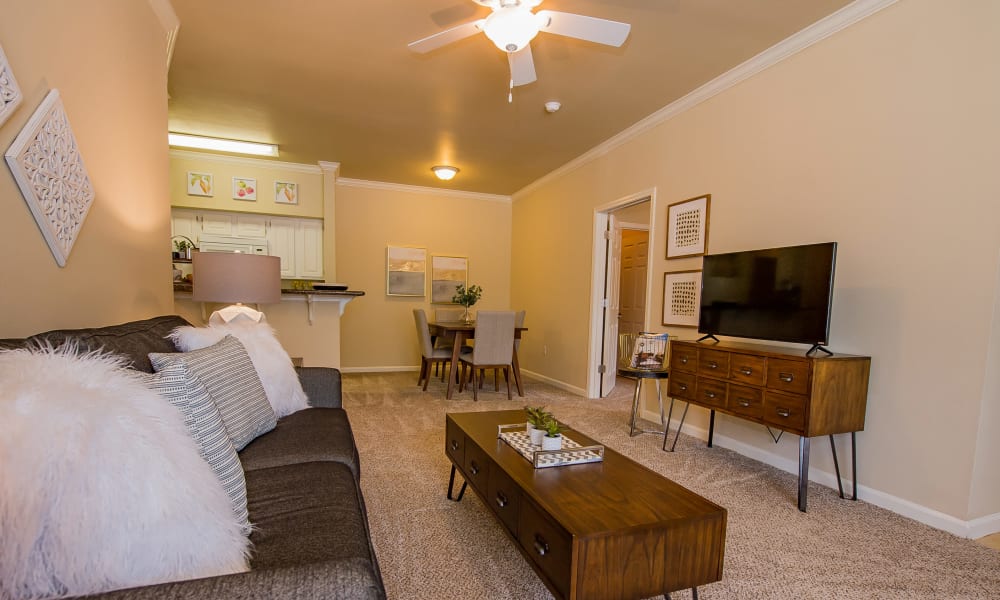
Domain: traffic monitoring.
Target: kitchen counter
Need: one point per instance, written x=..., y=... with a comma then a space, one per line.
x=183, y=290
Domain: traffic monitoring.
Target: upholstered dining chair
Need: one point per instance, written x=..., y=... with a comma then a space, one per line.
x=518, y=322
x=446, y=341
x=494, y=348
x=428, y=353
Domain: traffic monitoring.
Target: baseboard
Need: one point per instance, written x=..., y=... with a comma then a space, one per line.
x=973, y=529
x=398, y=369
x=555, y=383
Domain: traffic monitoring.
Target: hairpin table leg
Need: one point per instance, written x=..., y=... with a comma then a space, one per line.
x=451, y=485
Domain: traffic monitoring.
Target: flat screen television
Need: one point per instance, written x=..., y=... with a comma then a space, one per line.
x=781, y=294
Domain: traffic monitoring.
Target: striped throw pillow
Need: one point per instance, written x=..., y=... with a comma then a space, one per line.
x=201, y=417
x=228, y=375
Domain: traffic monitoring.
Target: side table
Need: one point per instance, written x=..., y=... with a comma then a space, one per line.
x=641, y=375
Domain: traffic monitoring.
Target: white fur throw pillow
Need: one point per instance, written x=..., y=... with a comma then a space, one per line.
x=272, y=363
x=101, y=486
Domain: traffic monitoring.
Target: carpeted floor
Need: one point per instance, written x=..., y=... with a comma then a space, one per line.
x=430, y=547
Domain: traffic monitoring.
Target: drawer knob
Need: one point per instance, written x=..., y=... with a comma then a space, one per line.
x=710, y=394
x=683, y=387
x=454, y=444
x=713, y=365
x=501, y=500
x=743, y=403
x=782, y=412
x=541, y=546
x=746, y=370
x=684, y=360
x=786, y=377
x=474, y=468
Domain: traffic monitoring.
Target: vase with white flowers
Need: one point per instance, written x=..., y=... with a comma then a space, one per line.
x=467, y=297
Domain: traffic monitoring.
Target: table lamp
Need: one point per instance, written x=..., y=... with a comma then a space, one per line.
x=236, y=277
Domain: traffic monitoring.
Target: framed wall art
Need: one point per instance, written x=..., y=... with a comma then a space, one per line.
x=405, y=271
x=200, y=184
x=447, y=273
x=286, y=192
x=681, y=298
x=50, y=173
x=10, y=93
x=245, y=188
x=687, y=227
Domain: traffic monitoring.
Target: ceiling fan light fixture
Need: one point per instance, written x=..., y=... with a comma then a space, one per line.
x=445, y=172
x=511, y=28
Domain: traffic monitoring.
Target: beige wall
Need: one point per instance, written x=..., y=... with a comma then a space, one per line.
x=116, y=100
x=266, y=172
x=377, y=330
x=882, y=137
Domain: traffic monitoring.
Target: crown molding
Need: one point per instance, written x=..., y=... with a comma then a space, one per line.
x=329, y=167
x=249, y=162
x=417, y=189
x=171, y=24
x=818, y=31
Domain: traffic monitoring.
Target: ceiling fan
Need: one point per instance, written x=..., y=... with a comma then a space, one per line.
x=512, y=26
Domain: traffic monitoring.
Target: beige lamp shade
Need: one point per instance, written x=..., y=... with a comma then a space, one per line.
x=236, y=277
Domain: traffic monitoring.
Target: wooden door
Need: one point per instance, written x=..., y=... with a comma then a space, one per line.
x=609, y=357
x=632, y=295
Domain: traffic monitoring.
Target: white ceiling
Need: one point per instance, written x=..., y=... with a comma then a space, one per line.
x=334, y=80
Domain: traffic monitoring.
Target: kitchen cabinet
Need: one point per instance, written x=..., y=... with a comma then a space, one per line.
x=281, y=243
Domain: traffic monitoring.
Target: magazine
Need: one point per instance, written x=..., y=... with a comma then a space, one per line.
x=649, y=351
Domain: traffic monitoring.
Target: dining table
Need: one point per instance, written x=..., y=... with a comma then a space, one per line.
x=466, y=331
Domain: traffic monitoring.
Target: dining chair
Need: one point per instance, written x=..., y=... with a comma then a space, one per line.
x=448, y=340
x=518, y=322
x=428, y=353
x=494, y=348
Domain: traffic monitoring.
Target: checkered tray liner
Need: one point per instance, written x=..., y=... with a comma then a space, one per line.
x=569, y=455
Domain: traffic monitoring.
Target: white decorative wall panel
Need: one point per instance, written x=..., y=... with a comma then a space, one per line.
x=10, y=94
x=49, y=170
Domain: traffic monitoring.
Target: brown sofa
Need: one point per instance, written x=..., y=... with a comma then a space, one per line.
x=303, y=487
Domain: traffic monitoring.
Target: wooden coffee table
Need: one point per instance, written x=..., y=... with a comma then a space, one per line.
x=611, y=529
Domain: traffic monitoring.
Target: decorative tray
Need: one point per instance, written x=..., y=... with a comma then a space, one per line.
x=571, y=453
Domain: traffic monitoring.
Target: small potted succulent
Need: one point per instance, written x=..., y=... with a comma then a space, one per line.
x=552, y=440
x=537, y=415
x=467, y=297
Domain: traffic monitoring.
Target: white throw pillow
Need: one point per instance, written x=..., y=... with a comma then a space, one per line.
x=270, y=360
x=102, y=487
x=228, y=374
x=182, y=389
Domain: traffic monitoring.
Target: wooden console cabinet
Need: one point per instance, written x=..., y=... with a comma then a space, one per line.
x=778, y=387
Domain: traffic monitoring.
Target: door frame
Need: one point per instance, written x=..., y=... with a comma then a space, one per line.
x=598, y=263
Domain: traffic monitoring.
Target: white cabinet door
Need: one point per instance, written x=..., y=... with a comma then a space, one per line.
x=309, y=248
x=217, y=223
x=251, y=226
x=281, y=243
x=185, y=222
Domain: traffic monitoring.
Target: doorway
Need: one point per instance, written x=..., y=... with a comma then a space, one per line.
x=620, y=291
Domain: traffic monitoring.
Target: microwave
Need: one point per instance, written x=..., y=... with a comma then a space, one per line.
x=220, y=243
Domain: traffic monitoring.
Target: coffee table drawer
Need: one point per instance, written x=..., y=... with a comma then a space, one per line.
x=454, y=442
x=547, y=544
x=504, y=497
x=477, y=467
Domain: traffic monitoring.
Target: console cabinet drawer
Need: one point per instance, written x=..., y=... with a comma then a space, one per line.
x=790, y=376
x=504, y=497
x=713, y=363
x=747, y=369
x=454, y=443
x=711, y=393
x=683, y=359
x=681, y=385
x=477, y=468
x=548, y=545
x=746, y=401
x=785, y=411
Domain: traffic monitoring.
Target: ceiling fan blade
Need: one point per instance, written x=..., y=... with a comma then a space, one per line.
x=443, y=38
x=522, y=66
x=592, y=29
